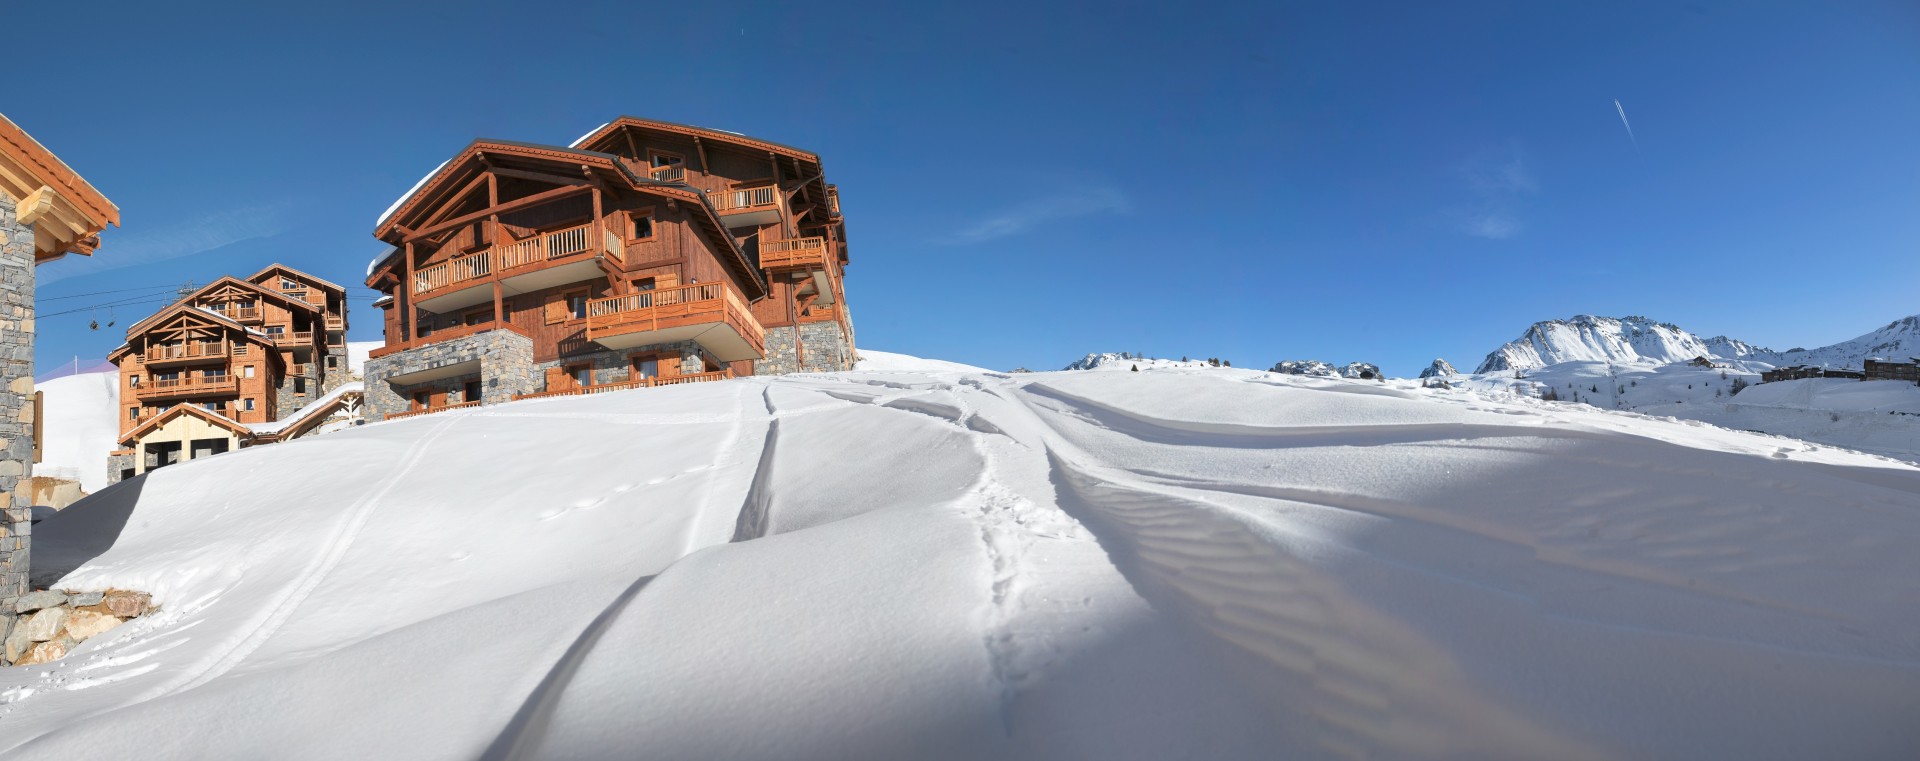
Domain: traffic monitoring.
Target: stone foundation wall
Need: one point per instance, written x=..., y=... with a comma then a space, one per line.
x=116, y=464
x=16, y=399
x=616, y=366
x=506, y=369
x=46, y=625
x=337, y=375
x=287, y=401
x=824, y=348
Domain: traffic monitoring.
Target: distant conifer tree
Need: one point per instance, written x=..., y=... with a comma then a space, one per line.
x=1136, y=368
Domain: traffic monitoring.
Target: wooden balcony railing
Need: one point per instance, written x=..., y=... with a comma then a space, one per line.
x=163, y=387
x=539, y=248
x=669, y=307
x=671, y=380
x=194, y=350
x=336, y=323
x=431, y=410
x=300, y=369
x=743, y=200
x=298, y=293
x=673, y=173
x=447, y=334
x=794, y=253
x=295, y=339
x=239, y=314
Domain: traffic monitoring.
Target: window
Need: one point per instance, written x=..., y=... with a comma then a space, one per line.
x=577, y=305
x=582, y=375
x=287, y=283
x=646, y=367
x=470, y=392
x=643, y=284
x=133, y=381
x=332, y=362
x=642, y=226
x=477, y=316
x=216, y=374
x=133, y=413
x=246, y=404
x=300, y=385
x=246, y=372
x=276, y=330
x=421, y=399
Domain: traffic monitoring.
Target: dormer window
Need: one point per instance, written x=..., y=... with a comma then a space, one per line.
x=666, y=167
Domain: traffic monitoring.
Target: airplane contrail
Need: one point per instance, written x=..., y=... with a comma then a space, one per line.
x=1627, y=124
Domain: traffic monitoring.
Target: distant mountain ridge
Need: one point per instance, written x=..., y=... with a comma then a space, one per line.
x=1641, y=340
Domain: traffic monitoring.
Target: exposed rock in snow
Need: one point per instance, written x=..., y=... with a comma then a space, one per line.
x=1439, y=368
x=1305, y=367
x=1362, y=370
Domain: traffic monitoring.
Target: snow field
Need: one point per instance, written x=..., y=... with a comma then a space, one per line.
x=930, y=562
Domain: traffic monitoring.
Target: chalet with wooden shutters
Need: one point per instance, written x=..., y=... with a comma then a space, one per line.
x=242, y=355
x=645, y=254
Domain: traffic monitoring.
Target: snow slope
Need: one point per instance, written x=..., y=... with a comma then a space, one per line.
x=886, y=361
x=357, y=352
x=81, y=427
x=1897, y=341
x=924, y=563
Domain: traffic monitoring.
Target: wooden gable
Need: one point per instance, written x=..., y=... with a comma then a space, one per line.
x=66, y=212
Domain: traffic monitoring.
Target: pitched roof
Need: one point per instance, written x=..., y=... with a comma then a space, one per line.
x=226, y=279
x=186, y=409
x=322, y=282
x=47, y=189
x=706, y=133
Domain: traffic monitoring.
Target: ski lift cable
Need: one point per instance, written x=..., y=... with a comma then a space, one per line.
x=174, y=287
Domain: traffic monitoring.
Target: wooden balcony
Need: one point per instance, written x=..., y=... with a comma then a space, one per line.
x=542, y=261
x=173, y=387
x=181, y=354
x=299, y=294
x=796, y=254
x=674, y=173
x=431, y=410
x=672, y=380
x=746, y=206
x=711, y=314
x=301, y=338
x=336, y=323
x=238, y=314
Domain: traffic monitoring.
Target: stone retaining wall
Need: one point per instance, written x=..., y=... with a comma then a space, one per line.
x=46, y=625
x=506, y=369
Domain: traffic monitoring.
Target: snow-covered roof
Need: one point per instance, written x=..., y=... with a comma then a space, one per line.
x=276, y=426
x=404, y=196
x=381, y=259
x=590, y=133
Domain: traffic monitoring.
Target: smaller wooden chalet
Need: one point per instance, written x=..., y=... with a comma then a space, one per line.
x=197, y=356
x=1880, y=369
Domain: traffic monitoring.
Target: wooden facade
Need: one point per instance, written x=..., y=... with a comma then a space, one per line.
x=245, y=351
x=641, y=236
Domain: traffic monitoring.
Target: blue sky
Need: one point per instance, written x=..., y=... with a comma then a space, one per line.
x=1386, y=182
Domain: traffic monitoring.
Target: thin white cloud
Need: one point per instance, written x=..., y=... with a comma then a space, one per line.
x=1496, y=180
x=1071, y=202
x=140, y=246
x=1627, y=124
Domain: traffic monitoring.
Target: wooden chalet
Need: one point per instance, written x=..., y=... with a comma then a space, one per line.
x=644, y=254
x=248, y=351
x=1881, y=369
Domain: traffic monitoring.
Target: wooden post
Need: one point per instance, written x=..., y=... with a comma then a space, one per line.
x=412, y=316
x=498, y=314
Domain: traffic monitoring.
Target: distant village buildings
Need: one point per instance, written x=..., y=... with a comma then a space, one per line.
x=646, y=253
x=1872, y=369
x=237, y=363
x=46, y=211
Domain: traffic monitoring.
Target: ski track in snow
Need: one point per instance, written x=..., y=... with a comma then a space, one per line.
x=1227, y=560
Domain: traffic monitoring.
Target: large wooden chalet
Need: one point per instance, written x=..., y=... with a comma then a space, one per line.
x=646, y=253
x=205, y=374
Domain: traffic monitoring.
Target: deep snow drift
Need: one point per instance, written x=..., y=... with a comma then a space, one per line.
x=932, y=563
x=81, y=427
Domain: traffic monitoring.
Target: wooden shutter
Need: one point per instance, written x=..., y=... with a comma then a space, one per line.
x=556, y=308
x=558, y=379
x=669, y=365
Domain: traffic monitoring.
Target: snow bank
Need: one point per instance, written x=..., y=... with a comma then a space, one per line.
x=886, y=361
x=946, y=564
x=81, y=427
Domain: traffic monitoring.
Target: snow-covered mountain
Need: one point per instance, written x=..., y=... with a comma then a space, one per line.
x=1439, y=368
x=1127, y=360
x=935, y=564
x=1897, y=341
x=1590, y=338
x=1586, y=338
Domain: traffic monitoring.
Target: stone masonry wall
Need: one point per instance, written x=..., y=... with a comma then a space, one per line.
x=614, y=366
x=337, y=374
x=287, y=401
x=16, y=400
x=826, y=349
x=506, y=368
x=116, y=464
